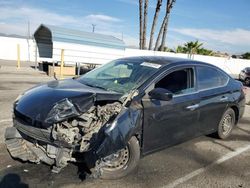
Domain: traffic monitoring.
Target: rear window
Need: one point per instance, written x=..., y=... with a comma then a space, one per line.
x=208, y=77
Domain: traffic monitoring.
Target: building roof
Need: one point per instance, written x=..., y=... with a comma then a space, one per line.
x=47, y=34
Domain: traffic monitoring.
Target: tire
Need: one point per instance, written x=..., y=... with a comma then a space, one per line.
x=133, y=149
x=247, y=81
x=226, y=124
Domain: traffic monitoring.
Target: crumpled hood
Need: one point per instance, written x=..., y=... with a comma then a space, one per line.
x=37, y=102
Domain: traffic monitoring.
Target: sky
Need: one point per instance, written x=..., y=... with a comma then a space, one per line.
x=221, y=25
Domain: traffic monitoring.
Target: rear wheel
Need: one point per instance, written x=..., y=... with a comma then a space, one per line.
x=122, y=162
x=226, y=124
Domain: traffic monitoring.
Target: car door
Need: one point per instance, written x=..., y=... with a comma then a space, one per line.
x=214, y=97
x=170, y=122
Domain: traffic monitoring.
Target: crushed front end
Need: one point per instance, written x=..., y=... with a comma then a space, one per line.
x=64, y=140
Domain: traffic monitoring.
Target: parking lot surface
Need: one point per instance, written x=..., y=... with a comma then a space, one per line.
x=201, y=162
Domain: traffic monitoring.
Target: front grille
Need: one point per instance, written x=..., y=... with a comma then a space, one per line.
x=38, y=134
x=33, y=132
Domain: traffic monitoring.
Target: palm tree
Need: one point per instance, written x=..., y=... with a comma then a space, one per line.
x=163, y=30
x=180, y=49
x=192, y=47
x=203, y=51
x=246, y=55
x=157, y=11
x=141, y=22
x=144, y=37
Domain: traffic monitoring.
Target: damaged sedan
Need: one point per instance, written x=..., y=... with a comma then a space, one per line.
x=112, y=116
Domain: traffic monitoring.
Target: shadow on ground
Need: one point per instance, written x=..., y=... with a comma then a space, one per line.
x=41, y=175
x=12, y=180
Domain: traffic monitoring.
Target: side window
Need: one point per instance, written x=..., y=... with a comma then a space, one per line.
x=178, y=82
x=208, y=77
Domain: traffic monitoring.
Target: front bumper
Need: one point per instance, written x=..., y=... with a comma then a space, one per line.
x=38, y=135
x=24, y=150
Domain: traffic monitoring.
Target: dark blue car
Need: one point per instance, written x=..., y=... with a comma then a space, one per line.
x=121, y=111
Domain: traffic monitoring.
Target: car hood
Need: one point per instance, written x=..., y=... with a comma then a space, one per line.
x=37, y=102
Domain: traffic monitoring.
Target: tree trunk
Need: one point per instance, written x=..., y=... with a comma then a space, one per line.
x=163, y=40
x=160, y=34
x=163, y=30
x=169, y=7
x=141, y=22
x=157, y=11
x=144, y=36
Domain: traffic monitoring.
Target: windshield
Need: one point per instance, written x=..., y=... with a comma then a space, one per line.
x=120, y=75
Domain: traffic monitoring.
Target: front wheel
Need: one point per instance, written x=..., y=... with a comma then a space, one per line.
x=226, y=124
x=247, y=81
x=122, y=162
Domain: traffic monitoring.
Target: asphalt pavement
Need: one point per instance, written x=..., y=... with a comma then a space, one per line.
x=201, y=162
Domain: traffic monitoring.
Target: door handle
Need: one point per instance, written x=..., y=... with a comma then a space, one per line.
x=223, y=98
x=192, y=107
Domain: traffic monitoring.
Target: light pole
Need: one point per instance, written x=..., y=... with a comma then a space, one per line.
x=93, y=28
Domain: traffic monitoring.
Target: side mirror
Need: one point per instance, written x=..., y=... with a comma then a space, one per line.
x=161, y=94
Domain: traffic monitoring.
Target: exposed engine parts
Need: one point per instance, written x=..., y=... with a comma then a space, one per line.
x=80, y=130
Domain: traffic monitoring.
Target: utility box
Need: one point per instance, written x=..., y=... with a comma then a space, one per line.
x=56, y=70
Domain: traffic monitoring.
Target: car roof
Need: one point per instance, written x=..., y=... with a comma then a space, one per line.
x=162, y=60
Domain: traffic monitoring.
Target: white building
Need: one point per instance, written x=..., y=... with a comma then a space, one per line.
x=92, y=48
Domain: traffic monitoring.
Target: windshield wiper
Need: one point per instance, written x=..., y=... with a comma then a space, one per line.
x=101, y=87
x=96, y=86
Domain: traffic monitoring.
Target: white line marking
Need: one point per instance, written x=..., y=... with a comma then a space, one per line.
x=5, y=120
x=201, y=170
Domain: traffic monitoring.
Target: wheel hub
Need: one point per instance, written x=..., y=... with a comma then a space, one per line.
x=117, y=160
x=227, y=124
x=247, y=81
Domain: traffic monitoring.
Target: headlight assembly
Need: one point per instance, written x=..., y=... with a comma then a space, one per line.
x=62, y=110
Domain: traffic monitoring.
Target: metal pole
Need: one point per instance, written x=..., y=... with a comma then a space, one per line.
x=28, y=40
x=53, y=64
x=18, y=56
x=62, y=64
x=78, y=70
x=36, y=57
x=93, y=28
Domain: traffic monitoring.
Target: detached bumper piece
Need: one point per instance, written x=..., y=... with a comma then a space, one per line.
x=27, y=151
x=19, y=149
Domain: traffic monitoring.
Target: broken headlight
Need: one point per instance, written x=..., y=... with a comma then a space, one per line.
x=62, y=110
